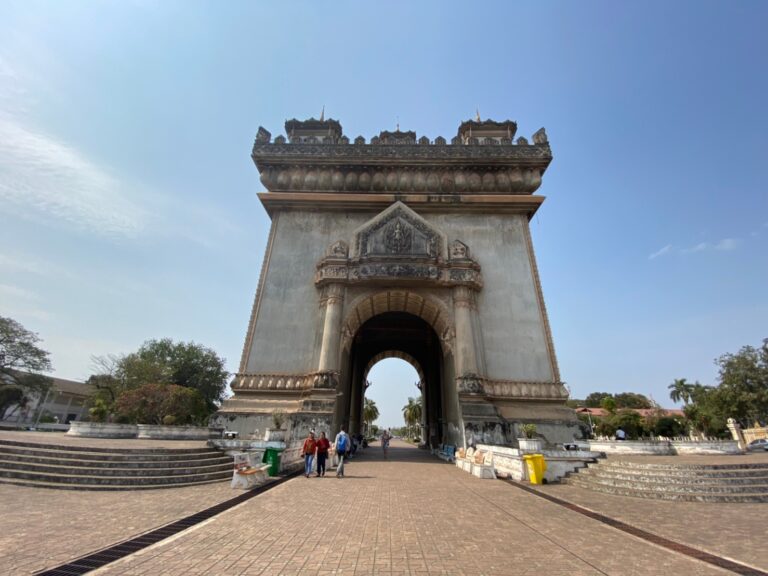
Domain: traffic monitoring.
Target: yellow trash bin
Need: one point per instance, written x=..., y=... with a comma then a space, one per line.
x=536, y=467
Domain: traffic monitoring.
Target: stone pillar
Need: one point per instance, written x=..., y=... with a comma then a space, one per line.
x=357, y=394
x=463, y=306
x=329, y=349
x=737, y=434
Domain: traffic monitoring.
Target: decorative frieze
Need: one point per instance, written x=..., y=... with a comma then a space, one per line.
x=525, y=390
x=244, y=382
x=468, y=179
x=446, y=274
x=510, y=389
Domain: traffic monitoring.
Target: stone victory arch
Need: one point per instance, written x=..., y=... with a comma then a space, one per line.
x=405, y=248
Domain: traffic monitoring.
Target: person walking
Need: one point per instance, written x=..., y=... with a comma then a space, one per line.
x=323, y=445
x=341, y=443
x=385, y=437
x=309, y=449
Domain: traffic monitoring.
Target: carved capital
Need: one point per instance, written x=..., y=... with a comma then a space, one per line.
x=463, y=297
x=469, y=384
x=325, y=380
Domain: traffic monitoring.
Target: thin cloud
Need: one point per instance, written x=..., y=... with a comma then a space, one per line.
x=47, y=180
x=661, y=252
x=700, y=247
x=724, y=245
x=727, y=244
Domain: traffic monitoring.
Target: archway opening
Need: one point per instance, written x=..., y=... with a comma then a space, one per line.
x=392, y=384
x=401, y=335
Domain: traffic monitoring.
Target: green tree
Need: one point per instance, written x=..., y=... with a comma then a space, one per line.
x=163, y=362
x=632, y=400
x=370, y=412
x=705, y=412
x=21, y=361
x=412, y=412
x=608, y=403
x=161, y=404
x=680, y=389
x=743, y=389
x=668, y=427
x=595, y=399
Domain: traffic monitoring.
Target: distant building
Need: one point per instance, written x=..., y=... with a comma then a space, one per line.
x=66, y=401
x=644, y=412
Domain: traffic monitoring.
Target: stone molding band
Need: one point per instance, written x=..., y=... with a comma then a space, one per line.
x=472, y=384
x=469, y=179
x=244, y=382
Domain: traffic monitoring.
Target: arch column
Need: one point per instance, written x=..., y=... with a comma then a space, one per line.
x=463, y=309
x=329, y=349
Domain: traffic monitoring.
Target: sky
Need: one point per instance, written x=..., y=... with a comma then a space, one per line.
x=128, y=206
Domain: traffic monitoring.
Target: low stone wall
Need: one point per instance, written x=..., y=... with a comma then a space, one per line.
x=158, y=432
x=706, y=447
x=631, y=447
x=508, y=462
x=232, y=446
x=102, y=430
x=665, y=447
x=144, y=431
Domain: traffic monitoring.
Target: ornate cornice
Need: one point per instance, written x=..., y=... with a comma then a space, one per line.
x=321, y=159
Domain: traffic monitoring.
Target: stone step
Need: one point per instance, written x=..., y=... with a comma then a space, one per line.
x=25, y=460
x=103, y=487
x=625, y=464
x=90, y=470
x=112, y=480
x=677, y=478
x=723, y=488
x=116, y=455
x=681, y=497
x=111, y=450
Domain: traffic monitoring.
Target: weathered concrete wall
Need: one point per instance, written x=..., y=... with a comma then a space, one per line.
x=509, y=333
x=289, y=324
x=511, y=340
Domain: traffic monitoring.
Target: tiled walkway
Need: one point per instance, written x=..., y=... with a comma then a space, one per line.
x=412, y=514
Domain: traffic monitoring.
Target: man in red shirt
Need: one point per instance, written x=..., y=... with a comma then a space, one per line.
x=323, y=445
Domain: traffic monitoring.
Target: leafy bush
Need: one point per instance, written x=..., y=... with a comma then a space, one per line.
x=668, y=427
x=99, y=411
x=629, y=421
x=153, y=403
x=529, y=430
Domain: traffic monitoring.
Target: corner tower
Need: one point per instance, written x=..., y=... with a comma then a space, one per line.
x=405, y=247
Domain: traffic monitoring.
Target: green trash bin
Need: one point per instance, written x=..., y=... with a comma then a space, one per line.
x=272, y=457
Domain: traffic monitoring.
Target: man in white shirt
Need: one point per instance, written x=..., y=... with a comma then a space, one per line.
x=341, y=444
x=620, y=434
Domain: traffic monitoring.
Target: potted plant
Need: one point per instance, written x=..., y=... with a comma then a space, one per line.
x=529, y=442
x=276, y=433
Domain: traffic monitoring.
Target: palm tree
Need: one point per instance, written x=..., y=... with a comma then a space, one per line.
x=412, y=412
x=681, y=390
x=370, y=412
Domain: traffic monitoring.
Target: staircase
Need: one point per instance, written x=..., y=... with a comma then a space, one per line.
x=89, y=468
x=683, y=482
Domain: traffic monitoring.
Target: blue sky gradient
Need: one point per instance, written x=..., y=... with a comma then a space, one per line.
x=128, y=204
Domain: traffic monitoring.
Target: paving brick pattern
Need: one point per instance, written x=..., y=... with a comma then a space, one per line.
x=41, y=528
x=735, y=531
x=409, y=515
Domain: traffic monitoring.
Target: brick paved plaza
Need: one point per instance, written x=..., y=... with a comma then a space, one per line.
x=412, y=514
